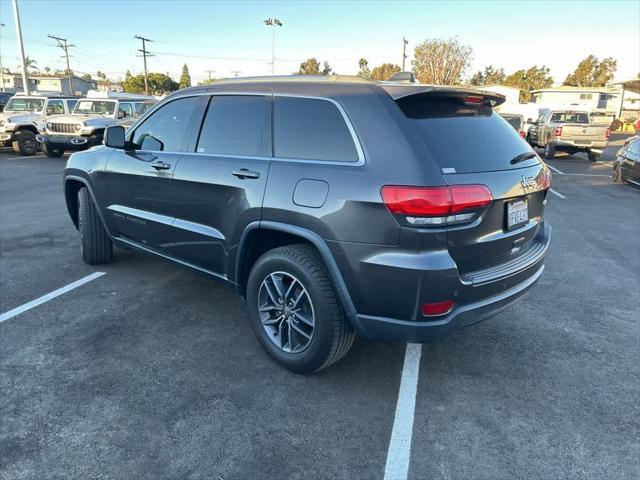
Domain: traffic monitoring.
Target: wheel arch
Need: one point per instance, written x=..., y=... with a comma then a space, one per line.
x=259, y=237
x=72, y=185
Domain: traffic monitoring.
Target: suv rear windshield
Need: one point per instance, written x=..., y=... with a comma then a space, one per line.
x=467, y=138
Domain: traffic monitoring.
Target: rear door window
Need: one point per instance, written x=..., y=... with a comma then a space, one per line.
x=237, y=125
x=467, y=138
x=311, y=129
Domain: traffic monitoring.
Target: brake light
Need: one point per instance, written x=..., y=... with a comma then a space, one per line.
x=522, y=134
x=437, y=308
x=473, y=99
x=441, y=204
x=558, y=132
x=608, y=134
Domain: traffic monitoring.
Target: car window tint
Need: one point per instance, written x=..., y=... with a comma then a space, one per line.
x=55, y=107
x=311, y=129
x=237, y=125
x=125, y=110
x=168, y=126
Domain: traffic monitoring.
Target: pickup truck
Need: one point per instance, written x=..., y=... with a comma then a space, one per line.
x=24, y=115
x=569, y=131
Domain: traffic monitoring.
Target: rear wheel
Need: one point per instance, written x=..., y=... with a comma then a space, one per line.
x=95, y=245
x=52, y=152
x=549, y=151
x=294, y=310
x=26, y=144
x=593, y=156
x=616, y=174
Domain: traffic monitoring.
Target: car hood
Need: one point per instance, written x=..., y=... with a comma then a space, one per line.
x=86, y=120
x=21, y=117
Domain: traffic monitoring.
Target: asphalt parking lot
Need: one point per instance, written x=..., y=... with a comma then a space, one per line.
x=152, y=370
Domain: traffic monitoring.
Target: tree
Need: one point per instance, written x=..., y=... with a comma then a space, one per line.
x=533, y=78
x=384, y=71
x=101, y=75
x=47, y=70
x=87, y=76
x=441, y=61
x=311, y=66
x=30, y=63
x=592, y=72
x=159, y=84
x=185, y=78
x=490, y=76
x=363, y=71
x=128, y=76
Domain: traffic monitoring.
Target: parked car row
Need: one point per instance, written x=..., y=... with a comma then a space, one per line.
x=56, y=123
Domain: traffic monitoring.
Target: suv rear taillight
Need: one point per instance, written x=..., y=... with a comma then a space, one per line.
x=436, y=206
x=608, y=134
x=558, y=132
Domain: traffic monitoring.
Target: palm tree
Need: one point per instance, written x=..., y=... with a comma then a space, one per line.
x=30, y=63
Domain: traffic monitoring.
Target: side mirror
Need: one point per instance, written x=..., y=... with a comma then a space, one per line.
x=114, y=137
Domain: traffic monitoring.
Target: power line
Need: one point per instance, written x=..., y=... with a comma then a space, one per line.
x=145, y=54
x=64, y=45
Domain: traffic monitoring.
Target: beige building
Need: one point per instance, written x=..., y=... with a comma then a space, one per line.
x=49, y=83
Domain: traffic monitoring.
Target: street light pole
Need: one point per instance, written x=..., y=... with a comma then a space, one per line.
x=16, y=16
x=273, y=22
x=1, y=69
x=404, y=52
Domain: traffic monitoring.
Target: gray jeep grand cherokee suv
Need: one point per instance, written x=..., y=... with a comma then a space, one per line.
x=334, y=205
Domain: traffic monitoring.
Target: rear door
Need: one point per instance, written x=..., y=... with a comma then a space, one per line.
x=219, y=187
x=472, y=144
x=631, y=162
x=140, y=206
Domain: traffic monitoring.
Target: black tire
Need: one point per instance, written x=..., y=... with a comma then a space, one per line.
x=549, y=151
x=333, y=334
x=26, y=144
x=593, y=156
x=95, y=245
x=52, y=152
x=572, y=151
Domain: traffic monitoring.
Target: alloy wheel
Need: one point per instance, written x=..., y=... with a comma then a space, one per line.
x=286, y=312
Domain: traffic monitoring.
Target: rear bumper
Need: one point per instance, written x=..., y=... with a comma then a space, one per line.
x=596, y=145
x=389, y=289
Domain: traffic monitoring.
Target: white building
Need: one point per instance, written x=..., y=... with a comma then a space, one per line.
x=603, y=100
x=512, y=94
x=49, y=83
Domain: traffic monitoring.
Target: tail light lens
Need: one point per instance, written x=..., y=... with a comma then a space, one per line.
x=544, y=179
x=522, y=134
x=434, y=206
x=608, y=132
x=558, y=132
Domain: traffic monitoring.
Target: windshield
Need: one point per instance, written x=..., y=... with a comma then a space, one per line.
x=24, y=105
x=94, y=107
x=144, y=107
x=467, y=138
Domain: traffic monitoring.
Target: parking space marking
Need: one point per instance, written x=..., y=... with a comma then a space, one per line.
x=555, y=169
x=23, y=157
x=399, y=452
x=557, y=193
x=49, y=296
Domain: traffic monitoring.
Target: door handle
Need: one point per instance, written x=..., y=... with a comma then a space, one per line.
x=245, y=173
x=160, y=165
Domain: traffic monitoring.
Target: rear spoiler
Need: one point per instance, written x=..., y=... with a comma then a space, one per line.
x=399, y=91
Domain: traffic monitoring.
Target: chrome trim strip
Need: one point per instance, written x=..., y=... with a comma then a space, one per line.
x=198, y=228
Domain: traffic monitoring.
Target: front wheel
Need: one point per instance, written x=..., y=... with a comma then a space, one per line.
x=549, y=151
x=26, y=144
x=52, y=152
x=294, y=310
x=593, y=156
x=96, y=246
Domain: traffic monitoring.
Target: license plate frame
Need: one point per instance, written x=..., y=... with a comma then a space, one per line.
x=517, y=213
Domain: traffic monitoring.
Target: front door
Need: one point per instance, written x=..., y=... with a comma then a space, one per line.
x=139, y=178
x=219, y=189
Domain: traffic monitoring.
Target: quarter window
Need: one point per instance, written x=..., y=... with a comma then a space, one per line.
x=311, y=129
x=237, y=125
x=167, y=129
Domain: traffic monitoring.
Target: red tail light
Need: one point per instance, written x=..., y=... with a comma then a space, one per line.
x=473, y=99
x=435, y=201
x=437, y=308
x=558, y=132
x=522, y=134
x=608, y=132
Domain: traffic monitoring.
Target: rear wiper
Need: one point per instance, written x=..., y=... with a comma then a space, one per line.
x=522, y=157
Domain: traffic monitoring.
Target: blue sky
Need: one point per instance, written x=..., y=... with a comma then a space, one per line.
x=229, y=35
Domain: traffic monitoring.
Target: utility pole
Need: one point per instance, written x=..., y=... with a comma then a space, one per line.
x=1, y=69
x=404, y=51
x=209, y=72
x=273, y=22
x=16, y=16
x=145, y=54
x=235, y=73
x=64, y=45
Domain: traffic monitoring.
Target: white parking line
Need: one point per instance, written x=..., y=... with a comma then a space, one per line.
x=555, y=169
x=49, y=296
x=399, y=453
x=557, y=193
x=24, y=157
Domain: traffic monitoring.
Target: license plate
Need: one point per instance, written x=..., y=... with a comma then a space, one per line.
x=517, y=213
